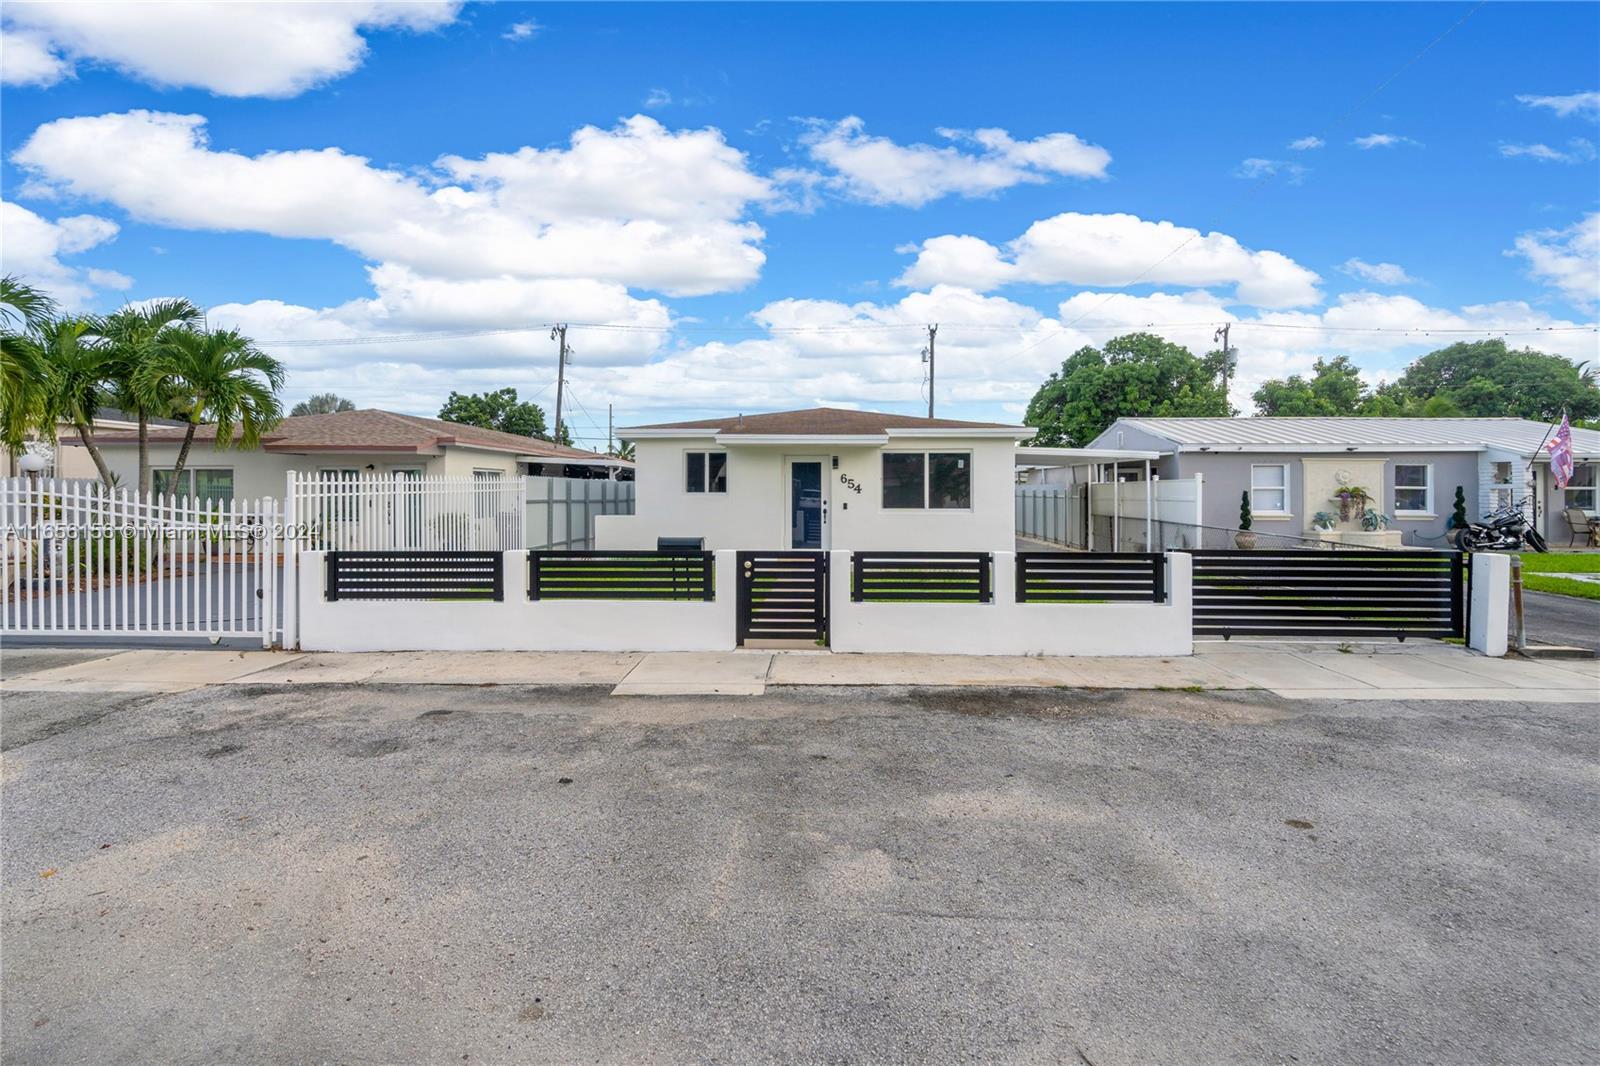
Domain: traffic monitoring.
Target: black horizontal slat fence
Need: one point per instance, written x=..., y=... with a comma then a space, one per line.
x=1090, y=577
x=621, y=575
x=783, y=595
x=920, y=577
x=415, y=575
x=1315, y=593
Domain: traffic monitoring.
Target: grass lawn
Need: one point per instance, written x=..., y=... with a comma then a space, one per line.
x=1542, y=573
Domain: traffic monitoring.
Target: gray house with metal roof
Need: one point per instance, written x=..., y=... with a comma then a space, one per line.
x=1410, y=467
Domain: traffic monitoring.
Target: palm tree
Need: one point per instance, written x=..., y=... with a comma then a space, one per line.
x=135, y=337
x=81, y=372
x=323, y=403
x=23, y=309
x=218, y=376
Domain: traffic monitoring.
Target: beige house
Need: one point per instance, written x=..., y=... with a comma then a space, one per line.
x=345, y=444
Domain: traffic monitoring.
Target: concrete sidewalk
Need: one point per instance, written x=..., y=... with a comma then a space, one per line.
x=1294, y=671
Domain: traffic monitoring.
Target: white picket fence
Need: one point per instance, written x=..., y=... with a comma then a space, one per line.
x=78, y=559
x=377, y=512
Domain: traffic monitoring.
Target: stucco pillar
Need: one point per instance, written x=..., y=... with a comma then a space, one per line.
x=1491, y=602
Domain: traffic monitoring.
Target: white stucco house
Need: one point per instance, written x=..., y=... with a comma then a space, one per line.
x=823, y=478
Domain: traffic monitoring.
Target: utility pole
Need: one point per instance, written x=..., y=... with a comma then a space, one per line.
x=927, y=357
x=1222, y=335
x=559, y=334
x=609, y=449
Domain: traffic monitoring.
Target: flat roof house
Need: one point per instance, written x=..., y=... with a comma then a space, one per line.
x=822, y=478
x=344, y=444
x=1291, y=468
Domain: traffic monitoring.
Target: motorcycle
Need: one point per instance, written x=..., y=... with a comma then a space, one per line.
x=1506, y=529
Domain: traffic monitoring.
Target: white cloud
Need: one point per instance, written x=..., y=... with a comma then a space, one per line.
x=1304, y=144
x=657, y=98
x=233, y=49
x=26, y=59
x=1112, y=250
x=1378, y=273
x=879, y=171
x=1567, y=260
x=1382, y=140
x=34, y=247
x=637, y=205
x=1584, y=105
x=1578, y=150
x=522, y=31
x=1256, y=168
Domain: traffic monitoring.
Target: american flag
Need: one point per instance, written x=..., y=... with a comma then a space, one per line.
x=1561, y=454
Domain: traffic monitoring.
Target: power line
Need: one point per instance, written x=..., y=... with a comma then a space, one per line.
x=1103, y=327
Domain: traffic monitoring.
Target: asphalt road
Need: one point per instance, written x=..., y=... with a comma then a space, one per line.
x=1554, y=619
x=443, y=874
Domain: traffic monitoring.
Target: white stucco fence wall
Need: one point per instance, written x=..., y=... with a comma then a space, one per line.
x=517, y=623
x=1006, y=627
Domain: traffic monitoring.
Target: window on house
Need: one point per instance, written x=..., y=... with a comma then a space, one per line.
x=1501, y=491
x=1413, y=488
x=927, y=480
x=706, y=472
x=208, y=485
x=1269, y=489
x=486, y=492
x=1581, y=489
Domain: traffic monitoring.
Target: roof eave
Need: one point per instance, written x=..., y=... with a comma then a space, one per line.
x=1008, y=432
x=1325, y=449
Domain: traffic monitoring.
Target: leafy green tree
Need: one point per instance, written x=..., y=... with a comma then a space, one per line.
x=324, y=403
x=1334, y=388
x=1137, y=374
x=24, y=310
x=497, y=410
x=1487, y=379
x=218, y=376
x=564, y=434
x=134, y=337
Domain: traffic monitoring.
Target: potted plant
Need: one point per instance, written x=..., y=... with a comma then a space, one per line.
x=1351, y=498
x=1374, y=520
x=1323, y=521
x=1458, y=519
x=1245, y=539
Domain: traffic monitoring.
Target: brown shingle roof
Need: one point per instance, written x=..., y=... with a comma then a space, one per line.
x=821, y=421
x=373, y=430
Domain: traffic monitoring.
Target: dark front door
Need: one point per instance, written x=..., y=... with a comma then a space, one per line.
x=805, y=504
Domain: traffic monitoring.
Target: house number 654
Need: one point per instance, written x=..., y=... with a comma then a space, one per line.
x=850, y=483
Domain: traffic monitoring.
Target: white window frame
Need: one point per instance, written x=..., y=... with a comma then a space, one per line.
x=1427, y=492
x=189, y=475
x=1260, y=512
x=704, y=457
x=1592, y=490
x=1502, y=493
x=927, y=481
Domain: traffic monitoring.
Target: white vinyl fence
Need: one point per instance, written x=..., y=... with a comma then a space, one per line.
x=562, y=510
x=81, y=560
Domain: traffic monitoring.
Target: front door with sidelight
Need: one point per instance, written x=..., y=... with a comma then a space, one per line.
x=808, y=503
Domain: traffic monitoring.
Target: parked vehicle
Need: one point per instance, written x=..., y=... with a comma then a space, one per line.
x=1506, y=529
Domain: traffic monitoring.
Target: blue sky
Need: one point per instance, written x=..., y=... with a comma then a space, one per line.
x=806, y=185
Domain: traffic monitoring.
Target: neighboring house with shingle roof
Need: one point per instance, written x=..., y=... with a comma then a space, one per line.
x=345, y=443
x=822, y=478
x=1411, y=466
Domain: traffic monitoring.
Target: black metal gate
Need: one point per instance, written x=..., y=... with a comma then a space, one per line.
x=1329, y=594
x=783, y=595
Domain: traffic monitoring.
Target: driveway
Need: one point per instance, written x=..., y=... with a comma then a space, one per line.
x=1554, y=619
x=442, y=873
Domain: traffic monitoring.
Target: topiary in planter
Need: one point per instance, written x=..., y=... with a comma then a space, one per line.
x=1244, y=538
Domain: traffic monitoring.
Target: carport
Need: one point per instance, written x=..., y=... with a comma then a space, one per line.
x=1075, y=467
